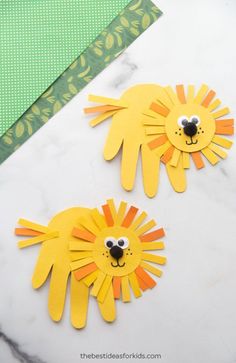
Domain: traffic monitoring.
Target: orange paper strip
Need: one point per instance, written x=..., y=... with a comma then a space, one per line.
x=180, y=93
x=227, y=130
x=85, y=235
x=108, y=215
x=208, y=99
x=142, y=284
x=116, y=286
x=157, y=142
x=152, y=236
x=84, y=271
x=198, y=161
x=129, y=217
x=168, y=154
x=101, y=109
x=26, y=232
x=225, y=122
x=148, y=280
x=161, y=110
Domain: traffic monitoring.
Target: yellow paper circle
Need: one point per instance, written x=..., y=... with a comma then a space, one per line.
x=131, y=254
x=205, y=129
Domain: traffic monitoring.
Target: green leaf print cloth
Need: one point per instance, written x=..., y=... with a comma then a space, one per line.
x=39, y=39
x=131, y=22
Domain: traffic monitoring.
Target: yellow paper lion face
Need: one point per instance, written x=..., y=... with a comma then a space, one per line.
x=111, y=251
x=187, y=124
x=117, y=251
x=190, y=127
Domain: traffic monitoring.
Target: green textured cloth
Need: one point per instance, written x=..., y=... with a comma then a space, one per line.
x=112, y=41
x=39, y=39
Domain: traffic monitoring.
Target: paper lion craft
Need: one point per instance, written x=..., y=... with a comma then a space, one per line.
x=106, y=254
x=164, y=126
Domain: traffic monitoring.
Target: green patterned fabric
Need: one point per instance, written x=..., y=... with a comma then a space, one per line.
x=39, y=39
x=130, y=23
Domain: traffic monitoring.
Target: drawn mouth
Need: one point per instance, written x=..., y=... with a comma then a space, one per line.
x=192, y=142
x=118, y=265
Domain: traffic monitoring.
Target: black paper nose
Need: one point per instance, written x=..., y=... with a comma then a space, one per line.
x=116, y=252
x=190, y=129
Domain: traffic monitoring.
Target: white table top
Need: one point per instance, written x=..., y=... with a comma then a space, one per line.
x=190, y=317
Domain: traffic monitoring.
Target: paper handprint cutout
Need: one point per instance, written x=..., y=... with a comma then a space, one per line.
x=166, y=126
x=108, y=254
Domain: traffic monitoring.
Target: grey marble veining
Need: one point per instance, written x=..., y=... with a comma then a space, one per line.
x=126, y=72
x=17, y=352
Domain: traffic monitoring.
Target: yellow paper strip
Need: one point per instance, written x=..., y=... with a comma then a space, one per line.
x=151, y=114
x=88, y=280
x=97, y=120
x=150, y=268
x=138, y=221
x=226, y=143
x=210, y=155
x=107, y=101
x=77, y=264
x=186, y=160
x=80, y=246
x=155, y=130
x=34, y=226
x=98, y=283
x=148, y=121
x=121, y=213
x=172, y=95
x=134, y=285
x=218, y=150
x=162, y=149
x=190, y=94
x=36, y=240
x=146, y=227
x=89, y=225
x=165, y=100
x=201, y=93
x=125, y=289
x=220, y=113
x=160, y=260
x=111, y=204
x=98, y=218
x=148, y=246
x=214, y=105
x=79, y=255
x=104, y=289
x=175, y=157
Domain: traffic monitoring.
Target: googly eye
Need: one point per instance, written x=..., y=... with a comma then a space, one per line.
x=123, y=242
x=110, y=242
x=195, y=120
x=182, y=121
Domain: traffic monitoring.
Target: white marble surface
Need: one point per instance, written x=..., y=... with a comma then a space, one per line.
x=191, y=316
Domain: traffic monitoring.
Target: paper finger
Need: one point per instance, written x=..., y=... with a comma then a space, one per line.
x=177, y=176
x=108, y=308
x=113, y=142
x=150, y=169
x=78, y=303
x=57, y=291
x=42, y=268
x=129, y=164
